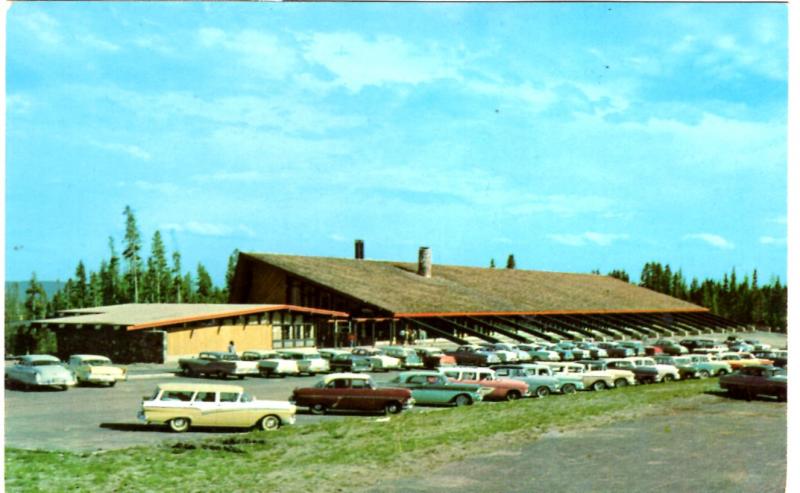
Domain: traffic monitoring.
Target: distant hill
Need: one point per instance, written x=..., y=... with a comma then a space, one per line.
x=50, y=287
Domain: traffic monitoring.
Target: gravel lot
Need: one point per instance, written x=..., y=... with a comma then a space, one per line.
x=707, y=444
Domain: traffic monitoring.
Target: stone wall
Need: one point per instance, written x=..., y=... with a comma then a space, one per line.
x=142, y=346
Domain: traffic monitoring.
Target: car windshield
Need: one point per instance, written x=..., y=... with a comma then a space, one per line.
x=45, y=363
x=97, y=362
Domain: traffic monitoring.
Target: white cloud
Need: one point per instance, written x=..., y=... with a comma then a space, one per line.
x=256, y=50
x=712, y=239
x=778, y=219
x=19, y=103
x=41, y=26
x=210, y=229
x=600, y=239
x=131, y=150
x=358, y=62
x=92, y=41
x=770, y=240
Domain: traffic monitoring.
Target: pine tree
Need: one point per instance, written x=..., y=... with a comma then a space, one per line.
x=230, y=273
x=205, y=286
x=177, y=291
x=133, y=244
x=35, y=300
x=620, y=274
x=491, y=264
x=79, y=294
x=110, y=277
x=511, y=263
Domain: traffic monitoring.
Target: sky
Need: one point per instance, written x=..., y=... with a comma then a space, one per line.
x=575, y=136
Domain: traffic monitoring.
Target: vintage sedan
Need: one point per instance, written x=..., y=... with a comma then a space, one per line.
x=40, y=370
x=351, y=392
x=433, y=388
x=752, y=381
x=474, y=355
x=95, y=369
x=592, y=379
x=217, y=364
x=686, y=367
x=503, y=389
x=740, y=360
x=540, y=378
x=778, y=357
x=434, y=357
x=539, y=353
x=616, y=350
x=181, y=405
x=409, y=359
x=379, y=360
x=671, y=348
x=270, y=363
x=708, y=367
x=312, y=360
x=348, y=362
x=622, y=377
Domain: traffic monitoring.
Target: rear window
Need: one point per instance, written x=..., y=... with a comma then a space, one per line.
x=176, y=395
x=228, y=396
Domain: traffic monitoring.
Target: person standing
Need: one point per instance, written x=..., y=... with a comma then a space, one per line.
x=232, y=347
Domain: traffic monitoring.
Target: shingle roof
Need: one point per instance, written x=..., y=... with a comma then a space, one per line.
x=144, y=315
x=396, y=287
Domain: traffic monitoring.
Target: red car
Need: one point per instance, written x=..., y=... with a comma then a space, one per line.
x=351, y=392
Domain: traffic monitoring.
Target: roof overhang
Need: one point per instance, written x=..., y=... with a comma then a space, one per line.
x=237, y=313
x=545, y=312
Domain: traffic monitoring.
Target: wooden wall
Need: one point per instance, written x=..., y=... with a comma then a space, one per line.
x=192, y=340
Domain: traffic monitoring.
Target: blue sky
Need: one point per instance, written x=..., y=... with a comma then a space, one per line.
x=574, y=136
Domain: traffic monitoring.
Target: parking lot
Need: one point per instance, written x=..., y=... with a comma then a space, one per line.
x=95, y=418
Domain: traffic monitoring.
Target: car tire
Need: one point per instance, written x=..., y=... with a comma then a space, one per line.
x=462, y=400
x=668, y=378
x=513, y=395
x=269, y=423
x=188, y=372
x=179, y=425
x=722, y=372
x=112, y=383
x=318, y=409
x=221, y=375
x=393, y=408
x=781, y=395
x=599, y=385
x=703, y=374
x=568, y=389
x=63, y=387
x=542, y=392
x=240, y=377
x=620, y=382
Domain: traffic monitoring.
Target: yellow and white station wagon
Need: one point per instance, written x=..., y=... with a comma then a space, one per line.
x=181, y=405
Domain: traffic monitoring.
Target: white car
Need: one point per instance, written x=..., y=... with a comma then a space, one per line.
x=95, y=369
x=666, y=373
x=379, y=360
x=316, y=363
x=40, y=370
x=271, y=363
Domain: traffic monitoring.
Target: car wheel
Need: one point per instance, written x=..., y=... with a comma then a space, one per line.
x=781, y=395
x=64, y=387
x=599, y=385
x=240, y=377
x=221, y=375
x=112, y=383
x=188, y=372
x=393, y=408
x=317, y=409
x=620, y=382
x=668, y=378
x=702, y=374
x=568, y=389
x=542, y=392
x=269, y=423
x=311, y=374
x=722, y=372
x=462, y=400
x=513, y=395
x=179, y=425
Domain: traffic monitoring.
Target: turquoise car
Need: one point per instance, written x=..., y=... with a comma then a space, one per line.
x=433, y=388
x=540, y=379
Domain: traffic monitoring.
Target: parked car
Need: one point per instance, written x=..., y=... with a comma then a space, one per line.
x=671, y=348
x=708, y=367
x=519, y=354
x=752, y=381
x=778, y=357
x=652, y=350
x=664, y=373
x=622, y=378
x=409, y=359
x=316, y=363
x=270, y=363
x=643, y=374
x=758, y=345
x=351, y=363
x=181, y=405
x=433, y=388
x=638, y=347
x=39, y=370
x=329, y=353
x=592, y=380
x=352, y=392
x=616, y=350
x=739, y=360
x=539, y=353
x=473, y=355
x=541, y=383
x=503, y=389
x=740, y=347
x=576, y=351
x=95, y=369
x=595, y=351
x=434, y=357
x=378, y=359
x=686, y=367
x=217, y=364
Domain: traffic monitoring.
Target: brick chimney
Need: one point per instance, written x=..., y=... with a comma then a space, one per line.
x=424, y=266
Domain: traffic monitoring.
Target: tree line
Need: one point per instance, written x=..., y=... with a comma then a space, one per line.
x=122, y=277
x=742, y=300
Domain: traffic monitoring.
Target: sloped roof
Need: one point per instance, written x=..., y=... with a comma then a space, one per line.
x=146, y=315
x=397, y=288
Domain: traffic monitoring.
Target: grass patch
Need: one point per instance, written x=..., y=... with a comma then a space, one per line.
x=336, y=455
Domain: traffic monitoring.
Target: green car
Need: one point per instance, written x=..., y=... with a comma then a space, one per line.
x=433, y=388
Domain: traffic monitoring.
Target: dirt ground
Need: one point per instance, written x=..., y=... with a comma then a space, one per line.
x=707, y=444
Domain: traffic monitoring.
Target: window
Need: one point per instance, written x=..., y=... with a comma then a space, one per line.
x=176, y=395
x=228, y=396
x=206, y=397
x=361, y=384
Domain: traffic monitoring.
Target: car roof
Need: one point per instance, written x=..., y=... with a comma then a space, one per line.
x=352, y=376
x=419, y=372
x=90, y=356
x=465, y=368
x=39, y=357
x=215, y=352
x=200, y=387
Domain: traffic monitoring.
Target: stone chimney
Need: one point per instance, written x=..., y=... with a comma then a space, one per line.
x=424, y=267
x=359, y=249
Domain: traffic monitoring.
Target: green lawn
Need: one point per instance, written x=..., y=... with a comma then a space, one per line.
x=332, y=456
